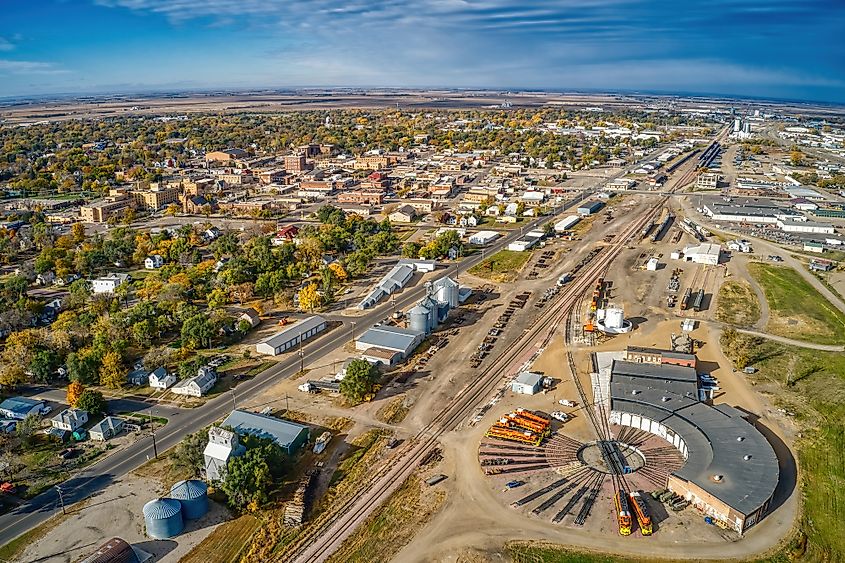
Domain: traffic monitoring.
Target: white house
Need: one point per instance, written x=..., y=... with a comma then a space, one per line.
x=107, y=284
x=107, y=428
x=161, y=379
x=70, y=420
x=198, y=385
x=527, y=383
x=222, y=445
x=153, y=262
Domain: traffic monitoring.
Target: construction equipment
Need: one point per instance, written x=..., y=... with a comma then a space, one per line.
x=623, y=513
x=642, y=513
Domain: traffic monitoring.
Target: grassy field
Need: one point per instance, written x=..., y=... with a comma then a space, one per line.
x=538, y=552
x=811, y=384
x=737, y=304
x=225, y=543
x=392, y=526
x=394, y=411
x=503, y=266
x=797, y=310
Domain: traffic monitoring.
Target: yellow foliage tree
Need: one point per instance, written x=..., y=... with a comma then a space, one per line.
x=112, y=372
x=338, y=271
x=74, y=390
x=309, y=298
x=77, y=231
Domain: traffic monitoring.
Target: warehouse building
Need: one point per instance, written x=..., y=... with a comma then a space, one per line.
x=566, y=223
x=730, y=470
x=705, y=253
x=291, y=336
x=395, y=280
x=393, y=338
x=590, y=207
x=483, y=238
x=805, y=227
x=290, y=436
x=20, y=407
x=527, y=383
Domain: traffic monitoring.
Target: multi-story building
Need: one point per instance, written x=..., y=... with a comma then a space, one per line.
x=295, y=163
x=157, y=197
x=100, y=211
x=367, y=197
x=225, y=157
x=374, y=161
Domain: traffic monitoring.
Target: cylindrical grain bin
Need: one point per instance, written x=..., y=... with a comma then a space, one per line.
x=163, y=517
x=193, y=496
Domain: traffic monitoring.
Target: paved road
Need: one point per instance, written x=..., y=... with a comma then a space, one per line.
x=183, y=421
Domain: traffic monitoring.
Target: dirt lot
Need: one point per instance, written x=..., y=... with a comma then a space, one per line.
x=117, y=511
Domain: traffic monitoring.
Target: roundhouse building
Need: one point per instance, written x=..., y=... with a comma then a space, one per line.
x=730, y=470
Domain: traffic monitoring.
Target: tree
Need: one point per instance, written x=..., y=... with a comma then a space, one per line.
x=247, y=480
x=74, y=391
x=27, y=427
x=44, y=364
x=189, y=453
x=309, y=298
x=197, y=332
x=81, y=366
x=796, y=157
x=92, y=402
x=359, y=380
x=411, y=250
x=244, y=326
x=112, y=372
x=77, y=232
x=338, y=271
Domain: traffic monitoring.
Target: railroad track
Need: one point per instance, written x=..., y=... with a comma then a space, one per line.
x=329, y=533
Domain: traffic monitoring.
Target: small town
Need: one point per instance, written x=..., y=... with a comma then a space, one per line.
x=366, y=324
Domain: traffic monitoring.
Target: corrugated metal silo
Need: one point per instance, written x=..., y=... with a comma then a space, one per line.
x=163, y=517
x=193, y=496
x=419, y=319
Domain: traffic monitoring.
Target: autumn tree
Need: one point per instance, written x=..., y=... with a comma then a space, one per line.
x=74, y=390
x=112, y=372
x=309, y=298
x=92, y=402
x=338, y=271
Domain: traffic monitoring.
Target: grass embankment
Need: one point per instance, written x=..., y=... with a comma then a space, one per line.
x=393, y=412
x=226, y=542
x=797, y=310
x=393, y=525
x=811, y=384
x=503, y=266
x=737, y=304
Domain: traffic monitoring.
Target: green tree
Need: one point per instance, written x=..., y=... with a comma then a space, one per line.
x=43, y=365
x=81, y=366
x=359, y=380
x=188, y=454
x=247, y=479
x=197, y=332
x=91, y=401
x=26, y=428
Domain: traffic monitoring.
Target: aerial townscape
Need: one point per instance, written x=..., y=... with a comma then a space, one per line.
x=597, y=318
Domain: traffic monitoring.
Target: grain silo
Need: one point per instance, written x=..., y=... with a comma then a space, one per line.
x=193, y=496
x=419, y=319
x=163, y=517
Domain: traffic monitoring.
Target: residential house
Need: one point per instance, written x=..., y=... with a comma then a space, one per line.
x=198, y=385
x=159, y=378
x=250, y=315
x=106, y=429
x=153, y=262
x=70, y=420
x=109, y=283
x=138, y=376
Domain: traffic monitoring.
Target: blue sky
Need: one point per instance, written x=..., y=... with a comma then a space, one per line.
x=768, y=48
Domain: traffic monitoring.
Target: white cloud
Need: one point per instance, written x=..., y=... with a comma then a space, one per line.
x=8, y=66
x=6, y=45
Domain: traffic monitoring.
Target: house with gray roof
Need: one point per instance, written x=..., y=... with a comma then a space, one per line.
x=20, y=407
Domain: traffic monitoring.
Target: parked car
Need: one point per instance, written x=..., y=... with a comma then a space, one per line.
x=8, y=488
x=46, y=409
x=560, y=415
x=567, y=403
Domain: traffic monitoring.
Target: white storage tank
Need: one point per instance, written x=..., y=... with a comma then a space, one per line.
x=163, y=518
x=614, y=318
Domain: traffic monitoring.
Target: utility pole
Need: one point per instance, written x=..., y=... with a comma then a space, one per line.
x=287, y=406
x=301, y=355
x=234, y=402
x=61, y=498
x=153, y=432
x=352, y=335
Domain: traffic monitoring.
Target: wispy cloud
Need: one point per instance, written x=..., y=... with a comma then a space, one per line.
x=6, y=44
x=8, y=66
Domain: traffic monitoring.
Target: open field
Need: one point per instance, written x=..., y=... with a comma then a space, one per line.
x=810, y=384
x=225, y=543
x=797, y=310
x=393, y=525
x=503, y=266
x=737, y=304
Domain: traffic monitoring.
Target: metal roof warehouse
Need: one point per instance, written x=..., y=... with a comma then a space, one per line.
x=290, y=436
x=291, y=336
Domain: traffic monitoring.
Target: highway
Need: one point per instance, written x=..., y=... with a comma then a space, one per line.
x=185, y=421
